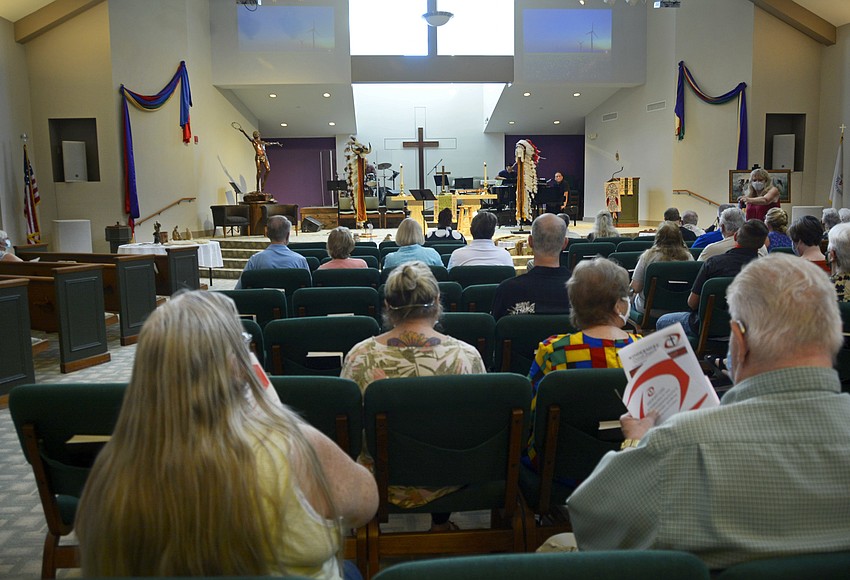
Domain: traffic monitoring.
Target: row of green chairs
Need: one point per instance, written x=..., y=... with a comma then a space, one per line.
x=624, y=252
x=372, y=254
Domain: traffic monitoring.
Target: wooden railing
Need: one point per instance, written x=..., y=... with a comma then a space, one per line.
x=170, y=205
x=696, y=195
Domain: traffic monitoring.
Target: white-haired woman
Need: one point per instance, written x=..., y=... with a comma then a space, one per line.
x=603, y=226
x=761, y=196
x=206, y=474
x=838, y=254
x=6, y=253
x=411, y=240
x=412, y=348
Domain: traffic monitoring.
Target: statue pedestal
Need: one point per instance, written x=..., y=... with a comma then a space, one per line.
x=257, y=197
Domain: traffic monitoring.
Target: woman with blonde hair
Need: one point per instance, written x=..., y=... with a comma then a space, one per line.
x=762, y=195
x=776, y=221
x=340, y=246
x=206, y=473
x=411, y=240
x=668, y=247
x=412, y=348
x=603, y=226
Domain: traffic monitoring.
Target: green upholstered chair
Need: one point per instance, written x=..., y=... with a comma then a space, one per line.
x=256, y=345
x=264, y=305
x=384, y=250
x=387, y=244
x=713, y=334
x=627, y=260
x=46, y=418
x=287, y=279
x=295, y=246
x=444, y=249
x=636, y=245
x=475, y=328
x=368, y=277
x=445, y=431
x=632, y=564
x=363, y=251
x=450, y=295
x=578, y=252
x=695, y=252
x=518, y=335
x=785, y=250
x=318, y=253
x=302, y=346
x=439, y=272
x=666, y=286
x=469, y=275
x=446, y=258
x=571, y=405
x=361, y=300
x=478, y=298
x=313, y=263
x=827, y=566
x=616, y=240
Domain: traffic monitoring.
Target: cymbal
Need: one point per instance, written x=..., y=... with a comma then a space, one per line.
x=382, y=166
x=372, y=183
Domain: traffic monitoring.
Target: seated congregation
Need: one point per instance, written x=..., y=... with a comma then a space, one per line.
x=235, y=473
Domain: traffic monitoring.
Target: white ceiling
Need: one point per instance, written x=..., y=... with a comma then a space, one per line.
x=308, y=114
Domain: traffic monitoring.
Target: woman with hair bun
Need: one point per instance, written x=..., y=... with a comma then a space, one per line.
x=776, y=221
x=207, y=473
x=412, y=348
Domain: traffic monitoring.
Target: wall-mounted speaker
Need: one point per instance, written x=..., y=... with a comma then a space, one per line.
x=783, y=151
x=311, y=225
x=74, y=161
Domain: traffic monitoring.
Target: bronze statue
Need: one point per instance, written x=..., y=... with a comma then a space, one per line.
x=157, y=239
x=260, y=158
x=175, y=235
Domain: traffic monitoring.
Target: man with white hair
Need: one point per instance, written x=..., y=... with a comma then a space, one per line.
x=731, y=221
x=844, y=214
x=690, y=221
x=830, y=218
x=712, y=234
x=764, y=474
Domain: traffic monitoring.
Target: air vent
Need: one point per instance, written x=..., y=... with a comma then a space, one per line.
x=609, y=117
x=657, y=106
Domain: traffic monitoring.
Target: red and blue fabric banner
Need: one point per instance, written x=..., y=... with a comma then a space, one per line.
x=150, y=103
x=685, y=76
x=31, y=201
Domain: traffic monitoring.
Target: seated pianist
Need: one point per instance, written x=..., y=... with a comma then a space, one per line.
x=507, y=175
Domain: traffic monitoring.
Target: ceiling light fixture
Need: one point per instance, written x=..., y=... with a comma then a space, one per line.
x=511, y=122
x=556, y=122
x=284, y=125
x=326, y=95
x=437, y=17
x=526, y=94
x=332, y=124
x=272, y=96
x=576, y=94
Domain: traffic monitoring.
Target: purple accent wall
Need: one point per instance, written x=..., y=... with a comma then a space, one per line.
x=300, y=169
x=558, y=153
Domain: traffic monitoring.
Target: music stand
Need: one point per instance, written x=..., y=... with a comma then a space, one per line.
x=423, y=195
x=334, y=186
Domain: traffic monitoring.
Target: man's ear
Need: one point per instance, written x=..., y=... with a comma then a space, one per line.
x=565, y=245
x=530, y=242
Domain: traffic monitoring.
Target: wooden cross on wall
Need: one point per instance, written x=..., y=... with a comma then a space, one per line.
x=444, y=181
x=420, y=144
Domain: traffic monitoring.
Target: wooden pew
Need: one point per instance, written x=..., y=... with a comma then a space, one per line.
x=178, y=270
x=68, y=299
x=16, y=366
x=128, y=285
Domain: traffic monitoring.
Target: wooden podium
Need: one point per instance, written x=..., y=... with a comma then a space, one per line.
x=621, y=197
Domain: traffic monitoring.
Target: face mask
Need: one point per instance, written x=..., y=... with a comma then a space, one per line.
x=728, y=363
x=758, y=185
x=625, y=317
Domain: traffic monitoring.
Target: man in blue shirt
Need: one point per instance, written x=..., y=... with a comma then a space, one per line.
x=277, y=255
x=709, y=237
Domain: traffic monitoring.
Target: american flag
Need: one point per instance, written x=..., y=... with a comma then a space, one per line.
x=31, y=201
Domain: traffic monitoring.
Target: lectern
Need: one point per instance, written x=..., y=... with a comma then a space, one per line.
x=621, y=197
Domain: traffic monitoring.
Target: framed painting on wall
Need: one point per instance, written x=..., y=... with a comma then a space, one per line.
x=739, y=182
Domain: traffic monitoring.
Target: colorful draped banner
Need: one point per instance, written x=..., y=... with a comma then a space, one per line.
x=739, y=91
x=836, y=188
x=150, y=103
x=31, y=201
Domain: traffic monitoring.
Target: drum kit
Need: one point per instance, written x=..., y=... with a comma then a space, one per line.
x=371, y=180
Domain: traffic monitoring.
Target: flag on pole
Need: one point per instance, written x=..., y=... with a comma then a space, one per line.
x=836, y=189
x=31, y=201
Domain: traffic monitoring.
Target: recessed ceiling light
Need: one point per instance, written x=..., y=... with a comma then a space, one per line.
x=511, y=122
x=284, y=125
x=556, y=122
x=272, y=95
x=526, y=94
x=576, y=94
x=332, y=124
x=326, y=95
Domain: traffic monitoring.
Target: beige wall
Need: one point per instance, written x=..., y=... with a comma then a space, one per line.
x=14, y=120
x=786, y=79
x=834, y=110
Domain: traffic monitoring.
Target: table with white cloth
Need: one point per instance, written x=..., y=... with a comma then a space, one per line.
x=209, y=252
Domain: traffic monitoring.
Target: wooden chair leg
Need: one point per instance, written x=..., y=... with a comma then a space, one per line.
x=372, y=531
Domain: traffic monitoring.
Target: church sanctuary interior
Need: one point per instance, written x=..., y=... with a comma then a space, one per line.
x=190, y=123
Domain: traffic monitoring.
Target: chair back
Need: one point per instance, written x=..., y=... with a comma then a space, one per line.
x=439, y=272
x=313, y=263
x=332, y=405
x=639, y=564
x=345, y=204
x=821, y=566
x=695, y=252
x=616, y=240
x=444, y=248
x=474, y=328
x=478, y=298
x=571, y=404
x=360, y=300
x=256, y=345
x=314, y=345
x=368, y=277
x=387, y=244
x=519, y=335
x=288, y=210
x=318, y=253
x=295, y=246
x=784, y=249
x=384, y=250
x=263, y=304
x=372, y=203
x=667, y=286
x=429, y=431
x=367, y=251
x=394, y=203
x=635, y=245
x=469, y=275
x=450, y=295
x=627, y=260
x=579, y=252
x=713, y=317
x=46, y=418
x=287, y=279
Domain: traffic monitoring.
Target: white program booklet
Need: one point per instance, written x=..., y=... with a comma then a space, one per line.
x=664, y=375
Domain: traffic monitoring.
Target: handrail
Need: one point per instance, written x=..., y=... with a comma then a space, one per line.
x=696, y=195
x=170, y=205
